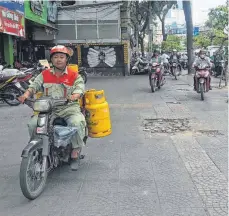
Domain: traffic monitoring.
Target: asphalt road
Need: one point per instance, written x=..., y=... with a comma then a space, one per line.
x=142, y=169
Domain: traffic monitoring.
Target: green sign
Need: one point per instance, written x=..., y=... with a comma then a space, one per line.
x=36, y=11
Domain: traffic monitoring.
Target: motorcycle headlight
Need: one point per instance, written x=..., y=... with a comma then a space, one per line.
x=41, y=106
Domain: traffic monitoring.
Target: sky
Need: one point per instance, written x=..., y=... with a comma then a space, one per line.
x=201, y=7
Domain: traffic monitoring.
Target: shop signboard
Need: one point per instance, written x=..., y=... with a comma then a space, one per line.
x=12, y=22
x=36, y=11
x=52, y=11
x=13, y=5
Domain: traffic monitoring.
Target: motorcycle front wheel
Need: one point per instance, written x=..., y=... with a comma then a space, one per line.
x=174, y=72
x=32, y=180
x=152, y=85
x=202, y=91
x=14, y=91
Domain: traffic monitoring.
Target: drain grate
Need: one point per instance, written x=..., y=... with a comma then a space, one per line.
x=182, y=89
x=209, y=132
x=182, y=84
x=166, y=125
x=171, y=102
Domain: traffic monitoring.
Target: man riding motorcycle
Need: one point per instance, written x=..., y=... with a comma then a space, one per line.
x=183, y=59
x=217, y=57
x=174, y=56
x=156, y=59
x=59, y=82
x=201, y=59
x=165, y=60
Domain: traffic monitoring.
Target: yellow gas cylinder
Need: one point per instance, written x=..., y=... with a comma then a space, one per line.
x=74, y=67
x=97, y=114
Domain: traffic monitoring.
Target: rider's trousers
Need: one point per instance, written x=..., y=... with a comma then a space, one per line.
x=73, y=116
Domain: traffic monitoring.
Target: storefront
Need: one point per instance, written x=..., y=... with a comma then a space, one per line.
x=40, y=27
x=12, y=27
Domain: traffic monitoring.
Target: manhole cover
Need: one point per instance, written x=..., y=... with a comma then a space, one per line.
x=166, y=125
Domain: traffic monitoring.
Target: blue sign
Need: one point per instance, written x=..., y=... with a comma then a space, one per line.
x=196, y=31
x=13, y=5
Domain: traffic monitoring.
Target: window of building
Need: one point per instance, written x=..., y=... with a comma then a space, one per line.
x=103, y=29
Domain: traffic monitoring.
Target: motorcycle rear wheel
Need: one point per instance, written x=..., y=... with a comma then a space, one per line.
x=133, y=71
x=24, y=178
x=11, y=89
x=202, y=91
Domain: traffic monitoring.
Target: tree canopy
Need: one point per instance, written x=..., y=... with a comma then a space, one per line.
x=161, y=8
x=172, y=42
x=217, y=20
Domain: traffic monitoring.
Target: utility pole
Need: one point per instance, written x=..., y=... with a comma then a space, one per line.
x=150, y=27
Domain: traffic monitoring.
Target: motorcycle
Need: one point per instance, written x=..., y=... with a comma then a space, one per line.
x=48, y=148
x=156, y=78
x=8, y=91
x=202, y=78
x=140, y=66
x=219, y=69
x=175, y=69
x=185, y=64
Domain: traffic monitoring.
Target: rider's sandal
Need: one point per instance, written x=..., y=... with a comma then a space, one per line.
x=75, y=162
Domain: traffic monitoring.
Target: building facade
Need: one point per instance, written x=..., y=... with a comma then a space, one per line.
x=99, y=36
x=12, y=27
x=40, y=19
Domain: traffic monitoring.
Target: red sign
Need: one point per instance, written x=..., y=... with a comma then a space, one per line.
x=12, y=22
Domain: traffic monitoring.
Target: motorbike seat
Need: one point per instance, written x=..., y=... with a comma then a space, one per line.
x=143, y=63
x=60, y=121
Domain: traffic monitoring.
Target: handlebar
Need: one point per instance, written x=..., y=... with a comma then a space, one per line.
x=59, y=102
x=54, y=102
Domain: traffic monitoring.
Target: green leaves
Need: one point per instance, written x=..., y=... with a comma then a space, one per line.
x=172, y=42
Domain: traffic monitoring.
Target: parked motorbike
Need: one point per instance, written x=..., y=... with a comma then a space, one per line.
x=156, y=78
x=4, y=65
x=219, y=69
x=48, y=148
x=202, y=80
x=8, y=91
x=175, y=69
x=140, y=66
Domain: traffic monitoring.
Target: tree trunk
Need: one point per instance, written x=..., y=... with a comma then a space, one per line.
x=163, y=29
x=141, y=41
x=189, y=25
